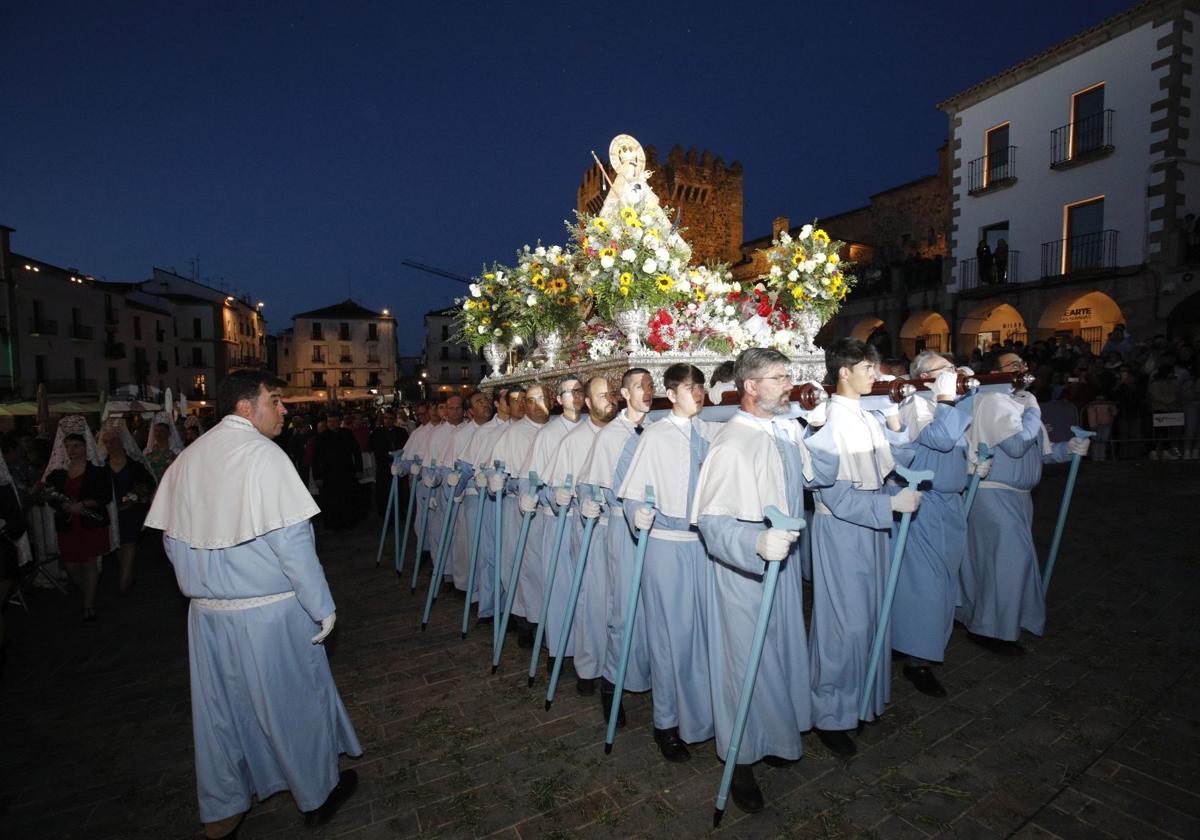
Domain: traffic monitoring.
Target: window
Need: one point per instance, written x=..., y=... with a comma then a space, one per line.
x=1002, y=269
x=79, y=374
x=372, y=331
x=137, y=328
x=464, y=373
x=998, y=166
x=445, y=332
x=318, y=379
x=1087, y=121
x=112, y=380
x=318, y=355
x=373, y=379
x=39, y=368
x=445, y=373
x=199, y=386
x=345, y=356
x=1084, y=222
x=197, y=357
x=317, y=335
x=196, y=333
x=344, y=331
x=445, y=352
x=464, y=353
x=347, y=380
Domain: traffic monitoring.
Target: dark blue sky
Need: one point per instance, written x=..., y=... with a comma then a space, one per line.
x=300, y=148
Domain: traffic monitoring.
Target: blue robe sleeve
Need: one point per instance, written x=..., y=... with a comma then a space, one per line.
x=733, y=542
x=1017, y=445
x=1058, y=454
x=296, y=551
x=866, y=508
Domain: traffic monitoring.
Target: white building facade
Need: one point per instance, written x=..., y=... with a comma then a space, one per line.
x=340, y=352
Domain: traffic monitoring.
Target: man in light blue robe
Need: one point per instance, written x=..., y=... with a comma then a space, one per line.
x=851, y=547
x=605, y=468
x=266, y=715
x=439, y=466
x=1001, y=583
x=476, y=463
x=416, y=459
x=674, y=587
x=927, y=587
x=757, y=460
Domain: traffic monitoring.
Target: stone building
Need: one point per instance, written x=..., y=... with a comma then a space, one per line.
x=706, y=193
x=343, y=352
x=449, y=366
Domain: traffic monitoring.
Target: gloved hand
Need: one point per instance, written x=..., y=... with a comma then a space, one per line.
x=590, y=508
x=429, y=479
x=481, y=480
x=885, y=377
x=965, y=371
x=774, y=544
x=414, y=470
x=643, y=520
x=453, y=479
x=906, y=501
x=433, y=503
x=1079, y=446
x=945, y=387
x=1026, y=399
x=326, y=628
x=816, y=418
x=528, y=503
x=562, y=496
x=982, y=469
x=495, y=483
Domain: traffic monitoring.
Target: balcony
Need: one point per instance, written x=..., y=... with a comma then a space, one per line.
x=1088, y=252
x=79, y=332
x=373, y=360
x=42, y=326
x=991, y=172
x=346, y=382
x=114, y=350
x=346, y=359
x=319, y=384
x=318, y=359
x=70, y=386
x=969, y=273
x=1082, y=141
x=196, y=363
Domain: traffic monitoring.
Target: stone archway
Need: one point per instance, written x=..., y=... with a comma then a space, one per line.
x=1091, y=314
x=990, y=322
x=924, y=330
x=864, y=326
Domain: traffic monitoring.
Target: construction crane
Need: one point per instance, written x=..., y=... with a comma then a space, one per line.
x=440, y=272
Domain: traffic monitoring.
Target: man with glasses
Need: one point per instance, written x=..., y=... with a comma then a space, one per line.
x=851, y=545
x=927, y=589
x=674, y=592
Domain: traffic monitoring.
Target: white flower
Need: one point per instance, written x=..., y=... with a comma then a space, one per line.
x=628, y=255
x=806, y=232
x=808, y=266
x=661, y=255
x=497, y=332
x=539, y=251
x=793, y=275
x=606, y=261
x=495, y=307
x=830, y=267
x=482, y=329
x=531, y=300
x=776, y=271
x=475, y=290
x=635, y=234
x=729, y=311
x=649, y=266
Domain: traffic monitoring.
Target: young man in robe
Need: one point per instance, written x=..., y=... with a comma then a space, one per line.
x=1001, y=583
x=473, y=436
x=758, y=459
x=589, y=633
x=415, y=458
x=674, y=591
x=851, y=544
x=266, y=715
x=605, y=468
x=441, y=452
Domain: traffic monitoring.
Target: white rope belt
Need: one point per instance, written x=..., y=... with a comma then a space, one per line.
x=996, y=485
x=819, y=507
x=545, y=511
x=674, y=536
x=241, y=603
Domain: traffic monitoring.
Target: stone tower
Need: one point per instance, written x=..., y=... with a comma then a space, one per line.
x=706, y=193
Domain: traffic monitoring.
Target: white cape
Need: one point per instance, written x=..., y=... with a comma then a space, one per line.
x=856, y=438
x=230, y=486
x=727, y=488
x=995, y=418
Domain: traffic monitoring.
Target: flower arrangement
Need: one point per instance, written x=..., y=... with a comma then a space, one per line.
x=636, y=258
x=805, y=275
x=547, y=297
x=485, y=313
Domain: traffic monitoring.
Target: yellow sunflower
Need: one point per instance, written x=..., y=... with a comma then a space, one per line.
x=558, y=284
x=664, y=282
x=624, y=290
x=820, y=236
x=651, y=232
x=591, y=292
x=628, y=215
x=489, y=276
x=574, y=298
x=539, y=282
x=561, y=300
x=701, y=296
x=485, y=320
x=608, y=252
x=626, y=278
x=600, y=224
x=835, y=259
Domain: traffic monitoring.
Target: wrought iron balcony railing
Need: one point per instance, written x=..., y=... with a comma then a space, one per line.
x=43, y=326
x=971, y=277
x=1082, y=140
x=79, y=332
x=1079, y=253
x=992, y=171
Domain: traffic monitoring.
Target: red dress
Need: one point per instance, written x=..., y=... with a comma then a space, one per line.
x=80, y=543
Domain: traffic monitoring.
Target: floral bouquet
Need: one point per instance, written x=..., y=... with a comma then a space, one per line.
x=485, y=313
x=635, y=259
x=806, y=275
x=546, y=297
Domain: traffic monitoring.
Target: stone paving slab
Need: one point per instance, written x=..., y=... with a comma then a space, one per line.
x=1096, y=732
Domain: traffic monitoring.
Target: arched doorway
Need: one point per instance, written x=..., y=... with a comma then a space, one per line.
x=991, y=322
x=924, y=330
x=863, y=327
x=1091, y=315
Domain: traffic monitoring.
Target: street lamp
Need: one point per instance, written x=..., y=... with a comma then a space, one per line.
x=424, y=376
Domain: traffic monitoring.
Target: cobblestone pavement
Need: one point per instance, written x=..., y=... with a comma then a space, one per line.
x=1095, y=732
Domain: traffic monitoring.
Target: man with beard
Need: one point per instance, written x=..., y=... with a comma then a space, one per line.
x=337, y=460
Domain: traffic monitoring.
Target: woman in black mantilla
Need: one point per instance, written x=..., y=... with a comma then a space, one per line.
x=133, y=488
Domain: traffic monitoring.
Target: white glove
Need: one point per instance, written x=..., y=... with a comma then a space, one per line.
x=528, y=503
x=816, y=418
x=562, y=496
x=414, y=470
x=774, y=544
x=590, y=508
x=946, y=385
x=885, y=377
x=906, y=501
x=395, y=469
x=453, y=479
x=481, y=480
x=433, y=503
x=326, y=628
x=983, y=468
x=643, y=520
x=1079, y=445
x=429, y=480
x=495, y=483
x=965, y=371
x=1026, y=399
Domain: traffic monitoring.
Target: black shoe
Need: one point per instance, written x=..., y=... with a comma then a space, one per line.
x=922, y=678
x=525, y=634
x=347, y=784
x=585, y=687
x=745, y=791
x=837, y=741
x=999, y=646
x=776, y=761
x=670, y=746
x=607, y=692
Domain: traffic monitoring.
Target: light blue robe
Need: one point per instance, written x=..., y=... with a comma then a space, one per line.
x=1001, y=583
x=589, y=630
x=674, y=600
x=781, y=706
x=560, y=587
x=266, y=715
x=511, y=531
x=620, y=557
x=927, y=587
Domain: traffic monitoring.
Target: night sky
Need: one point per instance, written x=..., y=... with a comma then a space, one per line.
x=302, y=150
